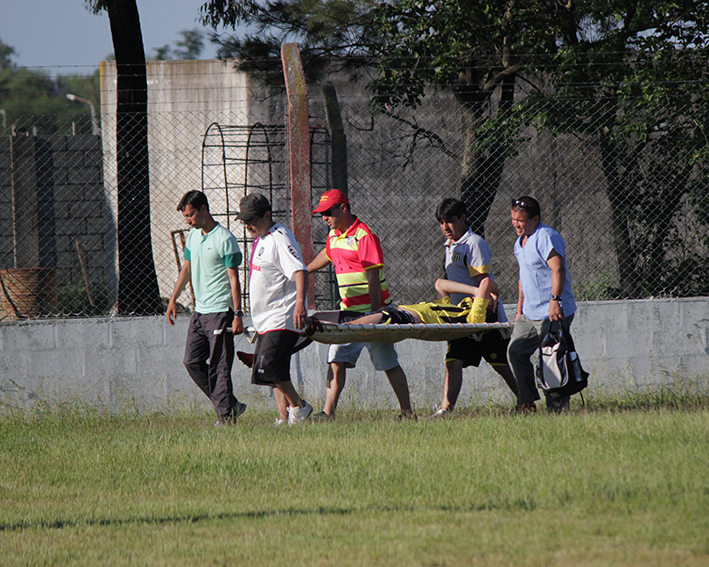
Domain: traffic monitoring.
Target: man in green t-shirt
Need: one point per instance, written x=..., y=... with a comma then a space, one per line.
x=212, y=256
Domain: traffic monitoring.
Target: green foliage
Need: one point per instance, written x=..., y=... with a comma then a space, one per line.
x=632, y=83
x=630, y=78
x=163, y=53
x=188, y=47
x=471, y=46
x=6, y=53
x=327, y=30
x=191, y=44
x=33, y=99
x=74, y=300
x=598, y=287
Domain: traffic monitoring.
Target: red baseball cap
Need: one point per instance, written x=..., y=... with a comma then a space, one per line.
x=330, y=199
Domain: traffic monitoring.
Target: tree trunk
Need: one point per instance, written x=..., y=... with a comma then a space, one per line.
x=618, y=197
x=673, y=179
x=138, y=291
x=481, y=172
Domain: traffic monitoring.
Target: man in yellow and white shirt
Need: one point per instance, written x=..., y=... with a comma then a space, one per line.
x=468, y=261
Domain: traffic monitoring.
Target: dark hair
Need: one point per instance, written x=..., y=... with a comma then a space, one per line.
x=529, y=205
x=450, y=208
x=196, y=199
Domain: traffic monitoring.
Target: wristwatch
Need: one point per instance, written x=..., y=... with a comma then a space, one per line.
x=239, y=313
x=555, y=297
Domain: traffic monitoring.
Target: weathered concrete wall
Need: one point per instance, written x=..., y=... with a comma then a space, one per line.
x=184, y=99
x=119, y=363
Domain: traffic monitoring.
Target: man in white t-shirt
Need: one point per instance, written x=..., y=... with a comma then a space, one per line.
x=278, y=287
x=468, y=261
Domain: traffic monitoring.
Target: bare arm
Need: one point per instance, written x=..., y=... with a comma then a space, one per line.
x=446, y=287
x=375, y=287
x=487, y=290
x=558, y=280
x=319, y=262
x=238, y=325
x=182, y=279
x=520, y=300
x=301, y=285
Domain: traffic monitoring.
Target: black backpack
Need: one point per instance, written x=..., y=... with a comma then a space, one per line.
x=559, y=373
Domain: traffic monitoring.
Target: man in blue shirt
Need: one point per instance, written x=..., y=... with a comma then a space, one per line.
x=212, y=256
x=545, y=296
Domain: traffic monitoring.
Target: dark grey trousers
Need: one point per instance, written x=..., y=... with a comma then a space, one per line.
x=524, y=342
x=209, y=355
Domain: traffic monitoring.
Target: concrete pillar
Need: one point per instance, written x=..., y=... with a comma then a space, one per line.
x=339, y=139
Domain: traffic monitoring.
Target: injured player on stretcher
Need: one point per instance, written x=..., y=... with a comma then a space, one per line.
x=479, y=309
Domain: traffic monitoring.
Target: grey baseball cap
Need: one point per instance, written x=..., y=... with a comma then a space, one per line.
x=252, y=206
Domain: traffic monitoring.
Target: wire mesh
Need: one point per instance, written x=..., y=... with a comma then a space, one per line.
x=632, y=209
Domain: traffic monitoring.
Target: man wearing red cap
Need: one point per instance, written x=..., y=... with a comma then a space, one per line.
x=355, y=251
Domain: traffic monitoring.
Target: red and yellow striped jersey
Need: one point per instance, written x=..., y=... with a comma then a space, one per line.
x=353, y=253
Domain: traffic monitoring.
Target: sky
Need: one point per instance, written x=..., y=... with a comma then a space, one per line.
x=65, y=38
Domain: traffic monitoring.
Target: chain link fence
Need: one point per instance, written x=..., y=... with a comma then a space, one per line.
x=632, y=209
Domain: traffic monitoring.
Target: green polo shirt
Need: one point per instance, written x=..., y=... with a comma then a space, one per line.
x=209, y=256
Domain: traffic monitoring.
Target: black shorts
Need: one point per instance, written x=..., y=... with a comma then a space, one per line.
x=272, y=357
x=395, y=316
x=492, y=347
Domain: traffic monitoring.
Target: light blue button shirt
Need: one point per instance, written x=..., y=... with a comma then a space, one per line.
x=535, y=273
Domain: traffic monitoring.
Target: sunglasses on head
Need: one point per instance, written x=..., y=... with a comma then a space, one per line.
x=521, y=204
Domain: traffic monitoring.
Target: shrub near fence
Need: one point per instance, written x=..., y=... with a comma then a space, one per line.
x=213, y=128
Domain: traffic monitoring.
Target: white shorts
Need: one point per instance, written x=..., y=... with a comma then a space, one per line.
x=382, y=355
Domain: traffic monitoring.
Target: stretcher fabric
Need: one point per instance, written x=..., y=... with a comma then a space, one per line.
x=392, y=333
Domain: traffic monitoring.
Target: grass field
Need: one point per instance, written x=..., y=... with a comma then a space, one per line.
x=614, y=484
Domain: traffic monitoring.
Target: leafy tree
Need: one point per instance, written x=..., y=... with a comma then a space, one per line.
x=327, y=30
x=191, y=44
x=34, y=101
x=138, y=291
x=480, y=50
x=628, y=76
x=25, y=95
x=477, y=47
x=163, y=53
x=6, y=53
x=631, y=78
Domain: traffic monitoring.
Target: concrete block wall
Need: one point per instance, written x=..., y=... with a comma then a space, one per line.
x=6, y=241
x=78, y=205
x=122, y=363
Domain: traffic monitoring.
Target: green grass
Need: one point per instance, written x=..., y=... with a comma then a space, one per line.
x=622, y=482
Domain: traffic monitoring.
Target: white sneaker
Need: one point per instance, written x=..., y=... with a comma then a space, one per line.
x=279, y=421
x=441, y=413
x=299, y=415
